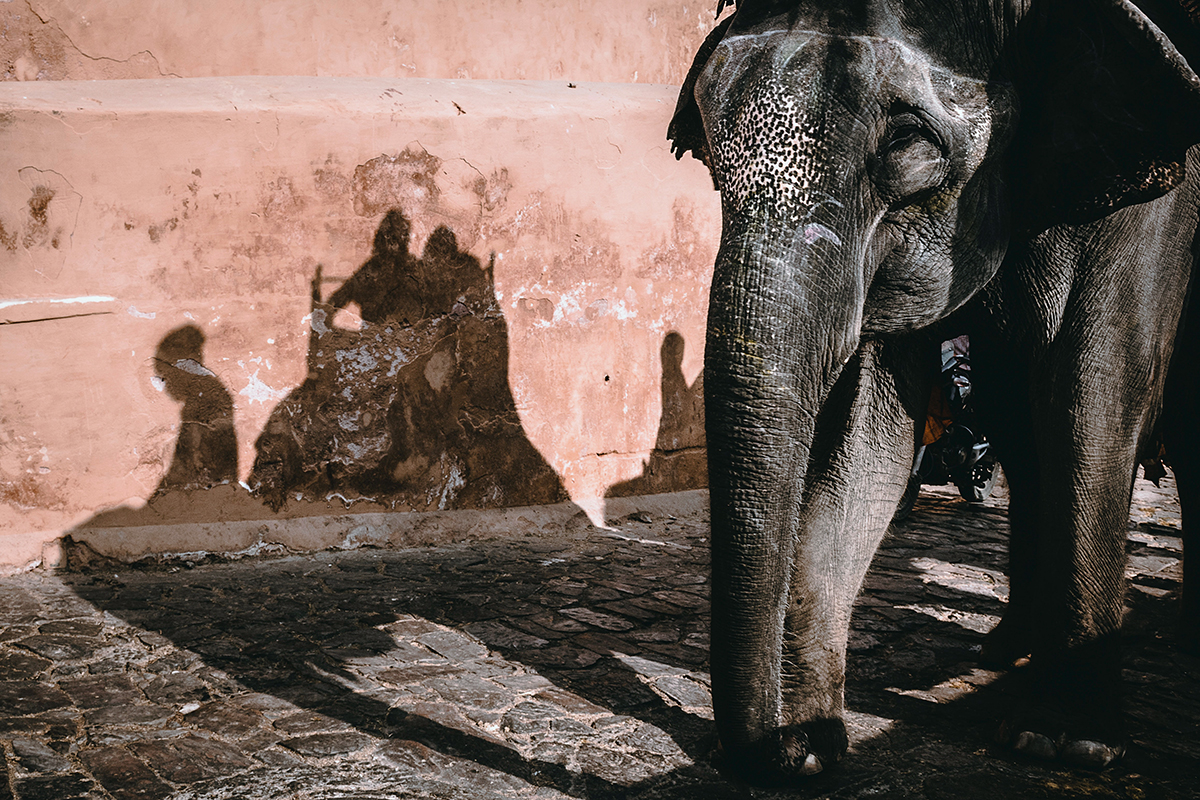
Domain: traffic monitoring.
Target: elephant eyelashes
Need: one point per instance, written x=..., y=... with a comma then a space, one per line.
x=909, y=161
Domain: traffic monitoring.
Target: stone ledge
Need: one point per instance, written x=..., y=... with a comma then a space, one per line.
x=235, y=540
x=428, y=97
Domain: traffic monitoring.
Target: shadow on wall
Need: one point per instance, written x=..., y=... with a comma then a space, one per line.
x=679, y=459
x=414, y=409
x=205, y=453
x=206, y=450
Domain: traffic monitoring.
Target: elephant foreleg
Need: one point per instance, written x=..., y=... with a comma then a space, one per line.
x=858, y=469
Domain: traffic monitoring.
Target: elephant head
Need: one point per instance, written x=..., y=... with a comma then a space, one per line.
x=876, y=161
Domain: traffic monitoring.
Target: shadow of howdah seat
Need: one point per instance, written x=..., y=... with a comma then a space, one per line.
x=413, y=409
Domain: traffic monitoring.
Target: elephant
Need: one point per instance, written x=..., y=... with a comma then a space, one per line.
x=895, y=172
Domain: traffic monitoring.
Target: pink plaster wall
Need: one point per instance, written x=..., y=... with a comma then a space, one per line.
x=646, y=41
x=130, y=209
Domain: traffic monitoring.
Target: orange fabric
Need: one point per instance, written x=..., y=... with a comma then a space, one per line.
x=937, y=417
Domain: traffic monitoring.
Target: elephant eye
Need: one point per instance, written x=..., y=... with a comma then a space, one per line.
x=910, y=159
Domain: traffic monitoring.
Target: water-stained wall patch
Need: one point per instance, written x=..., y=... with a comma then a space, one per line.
x=46, y=226
x=405, y=180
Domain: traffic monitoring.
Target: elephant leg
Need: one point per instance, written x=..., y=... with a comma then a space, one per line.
x=1181, y=432
x=858, y=468
x=1071, y=555
x=1188, y=482
x=1002, y=398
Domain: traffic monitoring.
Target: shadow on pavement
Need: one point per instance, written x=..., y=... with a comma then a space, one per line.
x=579, y=663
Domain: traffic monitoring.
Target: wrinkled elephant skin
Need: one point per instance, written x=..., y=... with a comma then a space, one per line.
x=890, y=174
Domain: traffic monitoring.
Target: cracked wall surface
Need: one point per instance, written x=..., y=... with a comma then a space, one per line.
x=230, y=300
x=643, y=41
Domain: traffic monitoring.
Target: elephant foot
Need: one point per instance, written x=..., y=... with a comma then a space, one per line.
x=787, y=755
x=1052, y=743
x=1006, y=646
x=1070, y=715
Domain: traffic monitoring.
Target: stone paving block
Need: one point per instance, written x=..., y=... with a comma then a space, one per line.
x=124, y=776
x=128, y=714
x=30, y=697
x=24, y=725
x=60, y=647
x=684, y=692
x=11, y=633
x=595, y=619
x=562, y=657
x=86, y=628
x=532, y=628
x=524, y=683
x=276, y=757
x=307, y=722
x=72, y=786
x=496, y=634
x=629, y=609
x=452, y=645
x=605, y=644
x=660, y=633
x=634, y=726
x=678, y=653
x=419, y=715
x=529, y=717
x=101, y=690
x=553, y=621
x=35, y=756
x=176, y=690
x=655, y=605
x=189, y=759
x=622, y=767
x=688, y=600
x=327, y=744
x=471, y=691
x=570, y=702
x=226, y=718
x=15, y=665
x=416, y=761
x=406, y=675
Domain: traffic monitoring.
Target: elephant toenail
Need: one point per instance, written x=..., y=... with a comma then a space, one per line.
x=1089, y=754
x=812, y=765
x=1034, y=744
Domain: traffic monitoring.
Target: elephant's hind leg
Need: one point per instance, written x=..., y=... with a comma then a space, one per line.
x=1181, y=433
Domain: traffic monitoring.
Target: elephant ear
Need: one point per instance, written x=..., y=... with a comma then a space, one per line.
x=686, y=130
x=1110, y=107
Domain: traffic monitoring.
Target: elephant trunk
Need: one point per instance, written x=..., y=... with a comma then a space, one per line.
x=780, y=330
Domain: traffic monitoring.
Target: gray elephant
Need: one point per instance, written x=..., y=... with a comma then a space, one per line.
x=893, y=172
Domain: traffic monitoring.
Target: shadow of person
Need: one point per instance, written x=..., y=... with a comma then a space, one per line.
x=413, y=410
x=385, y=287
x=679, y=459
x=206, y=450
x=205, y=454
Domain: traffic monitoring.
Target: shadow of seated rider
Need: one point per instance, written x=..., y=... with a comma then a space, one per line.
x=386, y=285
x=206, y=450
x=453, y=281
x=394, y=286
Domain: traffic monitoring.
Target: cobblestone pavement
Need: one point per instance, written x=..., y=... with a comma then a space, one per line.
x=572, y=663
